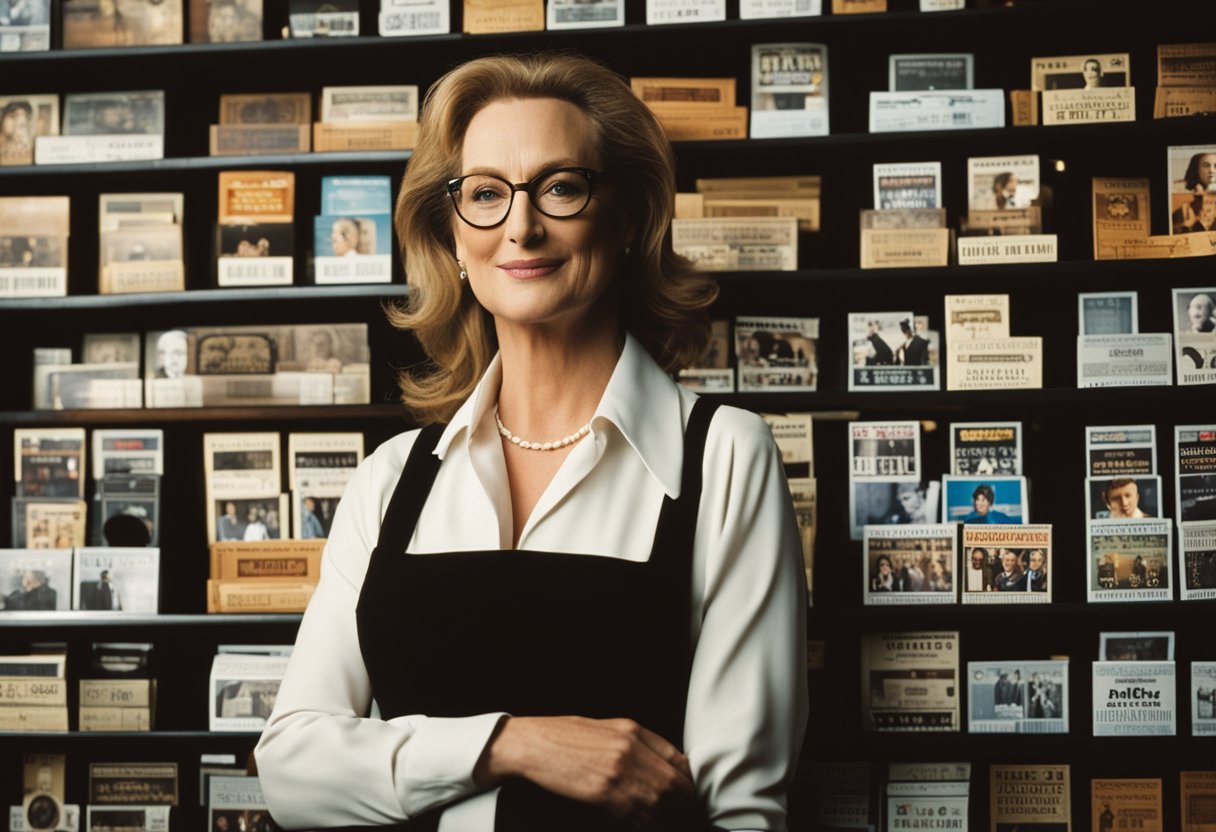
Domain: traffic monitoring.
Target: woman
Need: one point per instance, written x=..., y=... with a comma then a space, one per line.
x=584, y=608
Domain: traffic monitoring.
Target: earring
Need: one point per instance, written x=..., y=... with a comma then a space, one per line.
x=464, y=275
x=627, y=250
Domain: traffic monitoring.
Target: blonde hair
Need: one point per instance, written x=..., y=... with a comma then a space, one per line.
x=664, y=300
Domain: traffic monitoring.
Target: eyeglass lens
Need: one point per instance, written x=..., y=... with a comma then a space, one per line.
x=485, y=200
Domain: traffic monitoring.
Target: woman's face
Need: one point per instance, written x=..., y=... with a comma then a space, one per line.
x=1200, y=312
x=532, y=268
x=1206, y=169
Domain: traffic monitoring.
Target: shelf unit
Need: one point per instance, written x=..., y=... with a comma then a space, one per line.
x=827, y=285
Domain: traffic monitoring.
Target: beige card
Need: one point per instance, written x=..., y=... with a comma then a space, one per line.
x=806, y=211
x=971, y=317
x=1024, y=106
x=266, y=108
x=690, y=206
x=902, y=218
x=906, y=248
x=1077, y=72
x=1089, y=106
x=34, y=216
x=1198, y=792
x=44, y=774
x=682, y=124
x=995, y=364
x=1031, y=795
x=259, y=139
x=281, y=560
x=858, y=6
x=1008, y=221
x=1029, y=248
x=1173, y=102
x=55, y=525
x=1126, y=804
x=786, y=186
x=1186, y=65
x=1198, y=244
x=486, y=16
x=363, y=136
x=256, y=196
x=695, y=93
x=1121, y=208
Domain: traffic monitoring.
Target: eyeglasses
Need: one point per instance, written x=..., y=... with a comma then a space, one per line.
x=483, y=200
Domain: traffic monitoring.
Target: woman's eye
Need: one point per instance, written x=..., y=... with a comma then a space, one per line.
x=486, y=195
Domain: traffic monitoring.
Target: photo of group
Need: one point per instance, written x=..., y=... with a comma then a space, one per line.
x=256, y=519
x=1021, y=697
x=1129, y=560
x=984, y=500
x=905, y=565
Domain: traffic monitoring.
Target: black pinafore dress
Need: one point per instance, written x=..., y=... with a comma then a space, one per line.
x=532, y=633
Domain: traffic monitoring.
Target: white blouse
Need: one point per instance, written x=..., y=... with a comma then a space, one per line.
x=323, y=761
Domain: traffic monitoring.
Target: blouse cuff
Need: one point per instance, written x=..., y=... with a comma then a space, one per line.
x=436, y=765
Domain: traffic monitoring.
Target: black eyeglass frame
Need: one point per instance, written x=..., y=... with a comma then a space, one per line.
x=591, y=175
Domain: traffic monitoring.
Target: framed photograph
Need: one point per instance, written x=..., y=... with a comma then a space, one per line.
x=904, y=565
x=994, y=499
x=1129, y=560
x=1006, y=564
x=1018, y=697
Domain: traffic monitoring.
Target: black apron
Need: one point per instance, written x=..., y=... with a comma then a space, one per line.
x=533, y=633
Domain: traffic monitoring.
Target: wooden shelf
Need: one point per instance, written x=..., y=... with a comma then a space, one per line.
x=275, y=294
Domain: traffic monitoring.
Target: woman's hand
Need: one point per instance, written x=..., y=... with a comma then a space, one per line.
x=615, y=764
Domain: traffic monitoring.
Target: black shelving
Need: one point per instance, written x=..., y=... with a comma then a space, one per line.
x=276, y=294
x=210, y=163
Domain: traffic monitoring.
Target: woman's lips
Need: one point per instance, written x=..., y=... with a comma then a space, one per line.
x=529, y=269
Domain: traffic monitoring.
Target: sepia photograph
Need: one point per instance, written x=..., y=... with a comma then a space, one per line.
x=114, y=113
x=22, y=120
x=33, y=252
x=225, y=21
x=110, y=348
x=999, y=183
x=92, y=24
x=1080, y=72
x=261, y=240
x=1192, y=178
x=777, y=353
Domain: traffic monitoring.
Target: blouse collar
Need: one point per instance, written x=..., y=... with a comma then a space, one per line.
x=641, y=402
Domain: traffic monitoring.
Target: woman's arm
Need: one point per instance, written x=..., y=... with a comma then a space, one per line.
x=321, y=761
x=747, y=697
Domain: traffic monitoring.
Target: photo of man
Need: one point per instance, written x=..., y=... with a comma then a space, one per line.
x=1124, y=498
x=101, y=594
x=34, y=593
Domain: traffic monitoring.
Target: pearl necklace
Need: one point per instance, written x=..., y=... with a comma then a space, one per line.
x=540, y=446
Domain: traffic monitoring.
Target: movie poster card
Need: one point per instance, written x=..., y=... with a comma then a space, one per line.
x=1195, y=452
x=1192, y=178
x=584, y=14
x=910, y=565
x=914, y=111
x=114, y=113
x=243, y=690
x=977, y=317
x=48, y=522
x=236, y=802
x=1134, y=699
x=712, y=372
x=744, y=244
x=909, y=681
x=890, y=354
x=407, y=18
x=1077, y=72
x=757, y=9
x=1123, y=497
x=899, y=185
x=115, y=579
x=128, y=451
x=26, y=117
x=127, y=816
x=1121, y=451
x=35, y=580
x=1108, y=313
x=49, y=462
x=1129, y=560
x=944, y=71
x=998, y=183
x=25, y=25
x=985, y=499
x=789, y=90
x=883, y=457
x=986, y=449
x=1006, y=564
x=1195, y=333
x=1035, y=798
x=792, y=433
x=1198, y=791
x=1203, y=699
x=1126, y=804
x=1136, y=647
x=147, y=783
x=777, y=354
x=1197, y=561
x=1018, y=697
